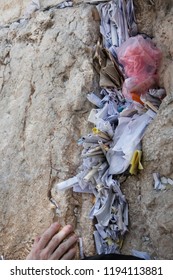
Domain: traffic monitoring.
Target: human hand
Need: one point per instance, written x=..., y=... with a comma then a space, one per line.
x=54, y=244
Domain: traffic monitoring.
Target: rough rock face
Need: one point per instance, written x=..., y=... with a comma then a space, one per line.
x=11, y=12
x=151, y=212
x=45, y=73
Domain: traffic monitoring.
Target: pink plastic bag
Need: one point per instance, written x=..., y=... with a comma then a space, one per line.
x=139, y=85
x=141, y=60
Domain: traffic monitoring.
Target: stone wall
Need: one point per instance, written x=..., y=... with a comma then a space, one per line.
x=151, y=211
x=11, y=11
x=45, y=72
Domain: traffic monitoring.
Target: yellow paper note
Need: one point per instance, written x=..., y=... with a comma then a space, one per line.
x=136, y=162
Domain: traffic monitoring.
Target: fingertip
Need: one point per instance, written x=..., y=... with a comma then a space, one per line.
x=56, y=225
x=68, y=228
x=76, y=237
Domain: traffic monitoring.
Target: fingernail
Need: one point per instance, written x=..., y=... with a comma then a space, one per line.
x=70, y=227
x=76, y=237
x=56, y=224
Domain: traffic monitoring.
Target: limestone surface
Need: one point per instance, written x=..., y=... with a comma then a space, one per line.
x=45, y=73
x=151, y=211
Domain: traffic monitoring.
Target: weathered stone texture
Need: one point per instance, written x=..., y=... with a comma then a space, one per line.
x=46, y=70
x=150, y=211
x=13, y=10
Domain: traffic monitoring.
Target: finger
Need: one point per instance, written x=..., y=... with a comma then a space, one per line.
x=64, y=247
x=36, y=239
x=58, y=238
x=48, y=235
x=70, y=254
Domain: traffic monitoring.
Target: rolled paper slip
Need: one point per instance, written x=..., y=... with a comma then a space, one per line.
x=92, y=154
x=96, y=149
x=104, y=148
x=93, y=139
x=100, y=133
x=92, y=172
x=65, y=185
x=81, y=250
x=151, y=106
x=136, y=162
x=93, y=98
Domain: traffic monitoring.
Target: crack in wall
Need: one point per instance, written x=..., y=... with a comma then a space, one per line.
x=5, y=64
x=28, y=106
